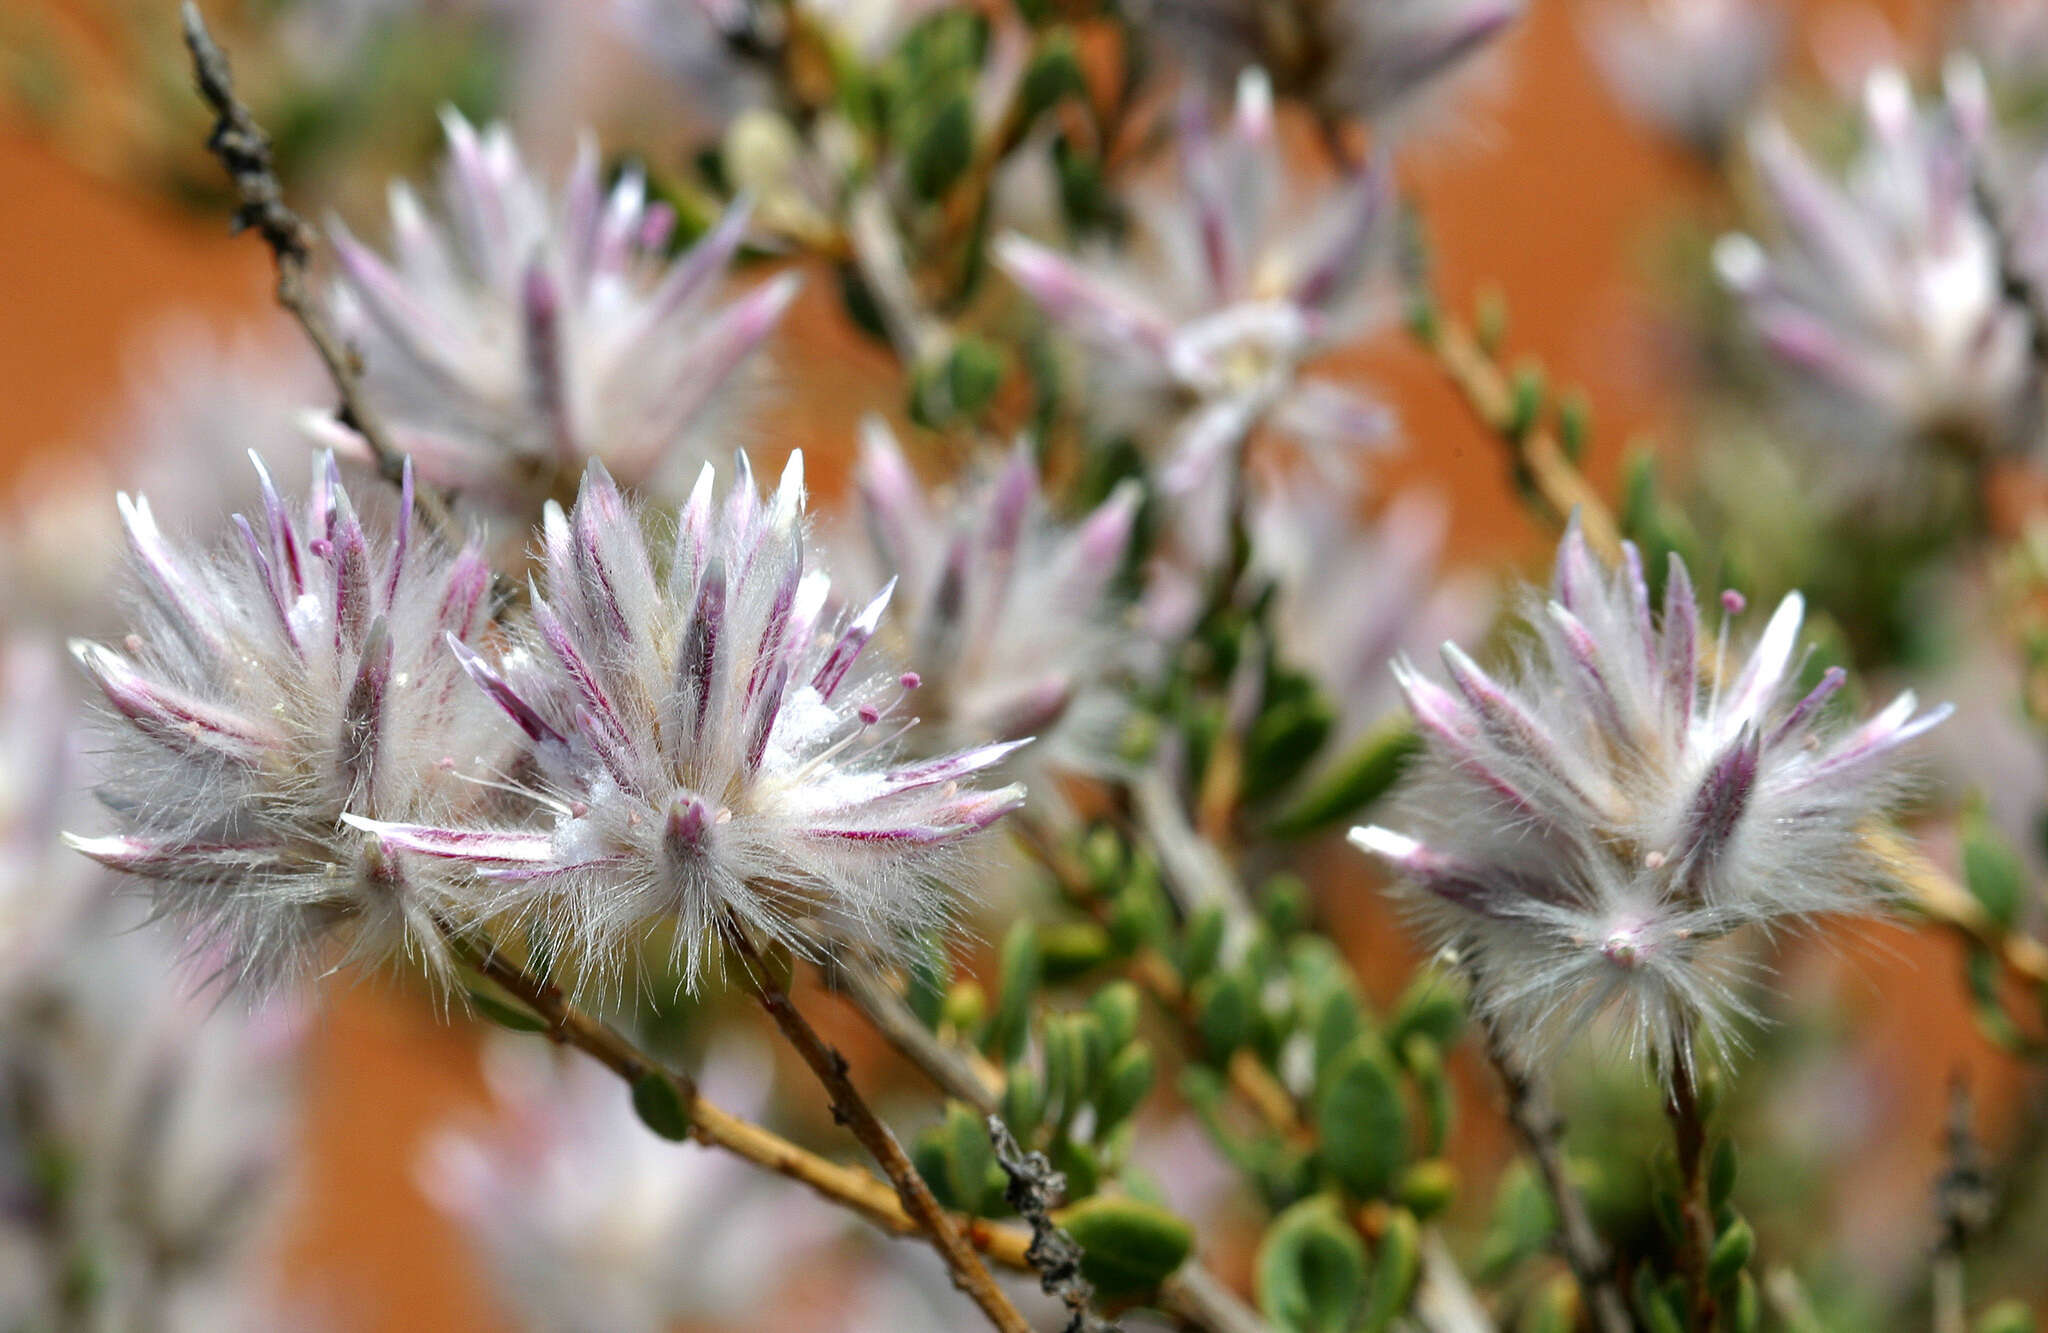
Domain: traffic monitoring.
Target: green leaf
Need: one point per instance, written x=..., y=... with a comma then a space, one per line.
x=1073, y=948
x=1116, y=1007
x=974, y=371
x=1396, y=1267
x=1746, y=1312
x=1428, y=1187
x=2008, y=1316
x=1023, y=1100
x=1992, y=869
x=1653, y=1307
x=969, y=1156
x=966, y=1006
x=1054, y=74
x=1123, y=1088
x=660, y=1106
x=1425, y=1065
x=1353, y=782
x=940, y=152
x=1730, y=1254
x=1020, y=969
x=1129, y=1247
x=1284, y=905
x=1721, y=1176
x=1310, y=1271
x=1202, y=943
x=503, y=1014
x=1362, y=1121
x=1339, y=1021
x=1223, y=1014
x=1283, y=741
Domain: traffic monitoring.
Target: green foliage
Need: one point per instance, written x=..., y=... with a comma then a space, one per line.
x=1992, y=869
x=2008, y=1316
x=1311, y=1269
x=509, y=1016
x=1354, y=782
x=1020, y=971
x=1361, y=1120
x=1130, y=1246
x=1397, y=1267
x=659, y=1104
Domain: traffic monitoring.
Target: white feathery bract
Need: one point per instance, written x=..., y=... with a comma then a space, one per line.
x=707, y=752
x=294, y=675
x=1010, y=615
x=1585, y=836
x=522, y=334
x=1241, y=287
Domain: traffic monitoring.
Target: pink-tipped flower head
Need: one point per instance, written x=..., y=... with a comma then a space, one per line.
x=1240, y=286
x=1880, y=299
x=1587, y=834
x=1010, y=615
x=1377, y=60
x=711, y=751
x=523, y=334
x=294, y=675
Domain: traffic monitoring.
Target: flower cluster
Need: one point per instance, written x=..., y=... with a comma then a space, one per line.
x=709, y=746
x=1243, y=287
x=525, y=334
x=1008, y=614
x=1883, y=294
x=270, y=687
x=1585, y=837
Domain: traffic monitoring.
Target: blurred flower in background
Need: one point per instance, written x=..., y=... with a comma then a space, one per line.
x=525, y=333
x=1691, y=69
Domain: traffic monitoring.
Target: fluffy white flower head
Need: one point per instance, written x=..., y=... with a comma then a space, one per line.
x=1585, y=836
x=1882, y=295
x=1239, y=287
x=708, y=753
x=521, y=335
x=1007, y=612
x=296, y=674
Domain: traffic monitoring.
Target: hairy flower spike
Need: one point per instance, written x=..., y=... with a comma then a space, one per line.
x=1585, y=836
x=709, y=751
x=1212, y=337
x=1884, y=294
x=293, y=676
x=1009, y=615
x=521, y=335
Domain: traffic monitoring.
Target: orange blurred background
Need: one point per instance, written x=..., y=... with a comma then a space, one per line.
x=1551, y=197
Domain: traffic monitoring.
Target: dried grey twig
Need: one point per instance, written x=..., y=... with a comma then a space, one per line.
x=1963, y=1202
x=1034, y=1190
x=244, y=151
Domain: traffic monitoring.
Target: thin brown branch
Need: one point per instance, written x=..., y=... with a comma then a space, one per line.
x=1542, y=1132
x=244, y=151
x=853, y=1111
x=710, y=1125
x=1695, y=1219
x=1537, y=449
x=949, y=1068
x=1193, y=1294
